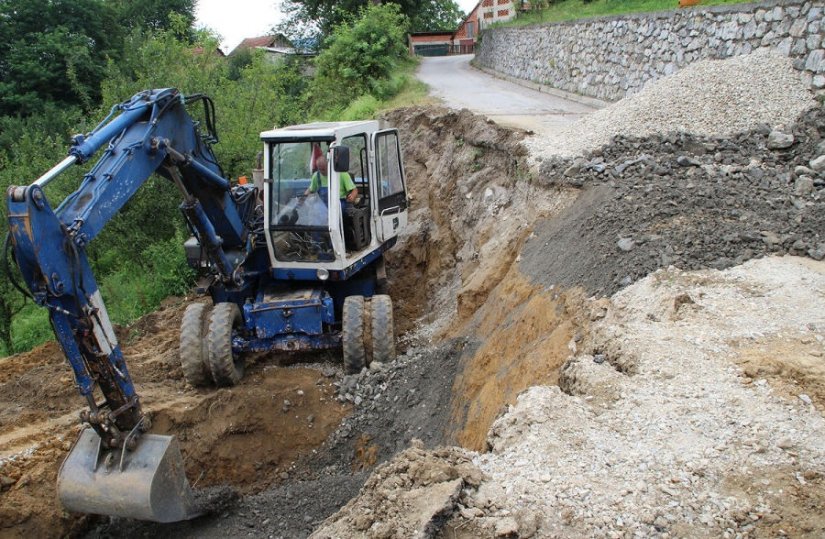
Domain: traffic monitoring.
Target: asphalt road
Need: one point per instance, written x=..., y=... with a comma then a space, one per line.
x=452, y=80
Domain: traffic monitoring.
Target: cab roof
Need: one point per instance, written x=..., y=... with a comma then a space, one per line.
x=319, y=131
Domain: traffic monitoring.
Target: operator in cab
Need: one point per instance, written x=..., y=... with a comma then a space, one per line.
x=319, y=183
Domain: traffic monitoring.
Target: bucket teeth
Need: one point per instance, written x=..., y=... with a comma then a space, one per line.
x=147, y=483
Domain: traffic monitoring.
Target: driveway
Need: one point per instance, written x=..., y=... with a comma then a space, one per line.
x=458, y=85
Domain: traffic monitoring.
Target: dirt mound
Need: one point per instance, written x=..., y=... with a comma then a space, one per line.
x=519, y=338
x=471, y=205
x=248, y=436
x=411, y=496
x=694, y=202
x=685, y=445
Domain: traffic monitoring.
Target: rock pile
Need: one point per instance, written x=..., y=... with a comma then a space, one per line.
x=711, y=97
x=687, y=200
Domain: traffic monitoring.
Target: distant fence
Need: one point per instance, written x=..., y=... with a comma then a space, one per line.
x=444, y=49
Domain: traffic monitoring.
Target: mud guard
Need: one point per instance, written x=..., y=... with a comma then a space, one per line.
x=147, y=483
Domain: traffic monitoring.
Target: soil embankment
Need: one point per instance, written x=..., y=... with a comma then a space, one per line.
x=667, y=401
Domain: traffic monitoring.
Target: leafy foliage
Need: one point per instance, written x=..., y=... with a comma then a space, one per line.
x=359, y=58
x=306, y=17
x=55, y=52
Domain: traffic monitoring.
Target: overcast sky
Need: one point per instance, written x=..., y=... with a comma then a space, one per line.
x=238, y=19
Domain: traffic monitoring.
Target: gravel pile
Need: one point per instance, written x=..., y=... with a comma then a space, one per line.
x=398, y=402
x=691, y=201
x=686, y=446
x=711, y=97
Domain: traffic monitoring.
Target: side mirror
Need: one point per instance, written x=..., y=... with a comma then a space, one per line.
x=340, y=159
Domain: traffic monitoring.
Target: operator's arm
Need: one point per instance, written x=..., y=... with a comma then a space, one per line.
x=313, y=183
x=348, y=187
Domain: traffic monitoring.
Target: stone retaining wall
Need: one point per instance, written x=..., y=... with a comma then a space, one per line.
x=611, y=57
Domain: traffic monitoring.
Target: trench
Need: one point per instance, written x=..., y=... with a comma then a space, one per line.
x=475, y=332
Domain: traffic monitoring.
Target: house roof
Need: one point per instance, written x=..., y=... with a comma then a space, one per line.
x=261, y=41
x=197, y=51
x=445, y=33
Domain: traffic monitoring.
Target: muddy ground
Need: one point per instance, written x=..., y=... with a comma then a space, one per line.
x=496, y=283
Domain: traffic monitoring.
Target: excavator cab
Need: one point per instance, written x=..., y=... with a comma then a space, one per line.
x=313, y=229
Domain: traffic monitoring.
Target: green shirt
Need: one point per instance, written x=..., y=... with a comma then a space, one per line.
x=320, y=180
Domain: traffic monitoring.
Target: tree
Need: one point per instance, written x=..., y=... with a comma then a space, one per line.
x=436, y=16
x=154, y=14
x=54, y=51
x=359, y=58
x=323, y=16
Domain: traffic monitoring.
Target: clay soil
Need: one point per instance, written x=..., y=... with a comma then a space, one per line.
x=245, y=437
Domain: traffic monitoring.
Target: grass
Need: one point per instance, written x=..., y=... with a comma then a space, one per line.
x=403, y=89
x=577, y=9
x=129, y=292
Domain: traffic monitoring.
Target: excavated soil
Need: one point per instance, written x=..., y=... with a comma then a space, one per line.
x=245, y=437
x=496, y=284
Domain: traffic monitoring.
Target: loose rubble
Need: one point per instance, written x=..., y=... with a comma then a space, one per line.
x=690, y=201
x=410, y=496
x=686, y=445
x=709, y=97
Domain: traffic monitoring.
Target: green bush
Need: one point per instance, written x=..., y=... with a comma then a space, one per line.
x=359, y=58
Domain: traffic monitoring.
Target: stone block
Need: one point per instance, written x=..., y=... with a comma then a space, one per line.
x=798, y=28
x=784, y=46
x=749, y=30
x=777, y=13
x=814, y=60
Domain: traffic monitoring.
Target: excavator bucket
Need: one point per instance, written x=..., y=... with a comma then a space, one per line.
x=147, y=483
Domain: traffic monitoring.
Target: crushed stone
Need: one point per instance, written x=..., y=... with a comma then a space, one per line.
x=681, y=199
x=686, y=445
x=710, y=97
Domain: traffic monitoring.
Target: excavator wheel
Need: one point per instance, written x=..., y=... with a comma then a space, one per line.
x=193, y=350
x=227, y=369
x=355, y=353
x=383, y=332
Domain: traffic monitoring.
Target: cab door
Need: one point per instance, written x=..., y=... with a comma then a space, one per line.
x=390, y=185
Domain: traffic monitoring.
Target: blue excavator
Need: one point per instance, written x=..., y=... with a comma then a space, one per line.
x=289, y=264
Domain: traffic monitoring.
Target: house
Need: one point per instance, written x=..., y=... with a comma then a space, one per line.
x=276, y=47
x=431, y=43
x=498, y=11
x=463, y=39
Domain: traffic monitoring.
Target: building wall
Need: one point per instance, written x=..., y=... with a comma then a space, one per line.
x=497, y=11
x=611, y=57
x=461, y=33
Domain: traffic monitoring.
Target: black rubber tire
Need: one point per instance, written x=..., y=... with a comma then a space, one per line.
x=193, y=350
x=227, y=370
x=383, y=330
x=352, y=318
